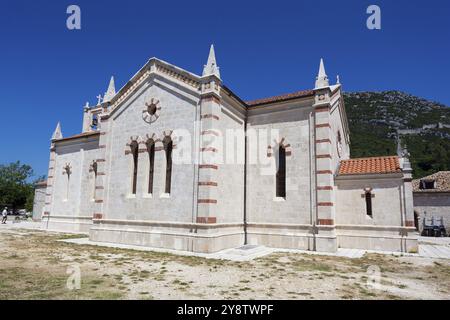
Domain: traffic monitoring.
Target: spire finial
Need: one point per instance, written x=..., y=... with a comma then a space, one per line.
x=211, y=67
x=338, y=80
x=322, y=78
x=57, y=134
x=111, y=92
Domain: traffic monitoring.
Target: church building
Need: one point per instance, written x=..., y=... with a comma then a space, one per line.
x=177, y=160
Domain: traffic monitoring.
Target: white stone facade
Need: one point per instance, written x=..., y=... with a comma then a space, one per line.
x=223, y=178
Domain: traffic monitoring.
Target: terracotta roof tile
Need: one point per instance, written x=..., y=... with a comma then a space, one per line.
x=374, y=165
x=442, y=182
x=284, y=97
x=81, y=135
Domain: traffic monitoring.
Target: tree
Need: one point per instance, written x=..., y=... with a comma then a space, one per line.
x=16, y=190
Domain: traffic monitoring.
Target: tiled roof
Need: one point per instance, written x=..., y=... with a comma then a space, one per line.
x=284, y=97
x=442, y=182
x=375, y=165
x=81, y=135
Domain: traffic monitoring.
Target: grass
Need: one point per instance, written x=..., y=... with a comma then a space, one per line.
x=31, y=271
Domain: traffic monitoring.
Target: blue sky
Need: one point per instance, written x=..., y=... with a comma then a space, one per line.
x=264, y=48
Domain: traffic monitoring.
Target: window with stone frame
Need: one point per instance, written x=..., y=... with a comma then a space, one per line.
x=281, y=173
x=135, y=154
x=168, y=147
x=151, y=168
x=368, y=197
x=427, y=184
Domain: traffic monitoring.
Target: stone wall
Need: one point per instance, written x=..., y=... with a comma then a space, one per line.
x=72, y=201
x=432, y=204
x=39, y=202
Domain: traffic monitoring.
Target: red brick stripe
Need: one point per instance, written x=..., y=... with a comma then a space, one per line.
x=98, y=201
x=102, y=146
x=324, y=172
x=323, y=125
x=325, y=204
x=325, y=188
x=322, y=109
x=208, y=166
x=97, y=216
x=207, y=201
x=99, y=188
x=323, y=141
x=208, y=184
x=209, y=116
x=325, y=222
x=206, y=219
x=323, y=156
x=409, y=223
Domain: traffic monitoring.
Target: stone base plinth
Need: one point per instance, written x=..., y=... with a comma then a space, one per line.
x=204, y=238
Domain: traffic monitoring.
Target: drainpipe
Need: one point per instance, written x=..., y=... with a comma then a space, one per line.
x=314, y=216
x=245, y=181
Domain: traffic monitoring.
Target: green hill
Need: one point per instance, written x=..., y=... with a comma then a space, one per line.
x=375, y=117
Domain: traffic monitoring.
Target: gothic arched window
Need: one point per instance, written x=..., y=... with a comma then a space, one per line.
x=151, y=158
x=168, y=146
x=135, y=153
x=281, y=173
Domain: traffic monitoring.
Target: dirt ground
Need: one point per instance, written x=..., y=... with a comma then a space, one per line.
x=34, y=265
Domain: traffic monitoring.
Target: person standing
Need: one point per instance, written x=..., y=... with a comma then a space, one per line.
x=4, y=215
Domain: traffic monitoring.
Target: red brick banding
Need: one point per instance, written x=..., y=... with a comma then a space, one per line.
x=102, y=146
x=324, y=172
x=323, y=141
x=325, y=222
x=322, y=109
x=209, y=116
x=101, y=160
x=323, y=125
x=207, y=201
x=98, y=201
x=99, y=188
x=206, y=220
x=325, y=204
x=325, y=188
x=323, y=156
x=46, y=213
x=208, y=184
x=409, y=223
x=208, y=166
x=101, y=174
x=97, y=216
x=50, y=177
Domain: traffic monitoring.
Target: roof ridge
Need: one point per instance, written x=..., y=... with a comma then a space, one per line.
x=367, y=158
x=281, y=97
